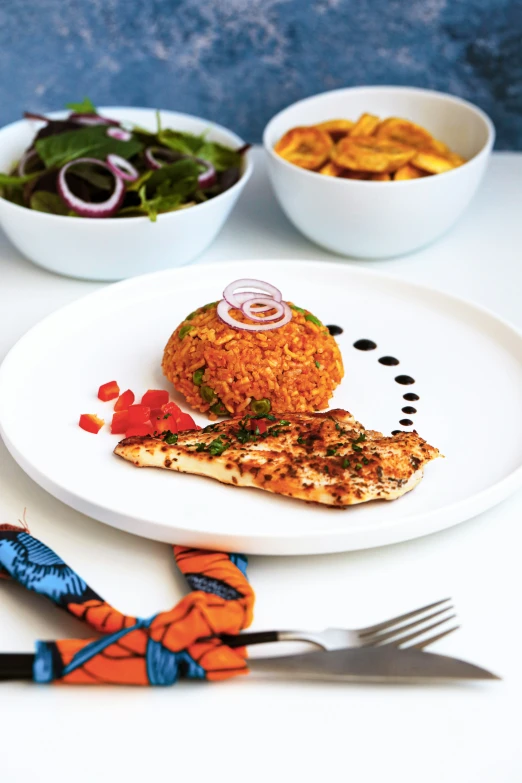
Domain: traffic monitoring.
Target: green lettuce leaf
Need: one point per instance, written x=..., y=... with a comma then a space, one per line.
x=158, y=204
x=12, y=179
x=43, y=201
x=89, y=142
x=85, y=107
x=222, y=158
x=179, y=178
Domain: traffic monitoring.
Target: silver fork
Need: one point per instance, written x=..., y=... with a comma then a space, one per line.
x=397, y=632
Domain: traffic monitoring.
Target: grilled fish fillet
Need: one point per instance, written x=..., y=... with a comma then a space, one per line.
x=324, y=458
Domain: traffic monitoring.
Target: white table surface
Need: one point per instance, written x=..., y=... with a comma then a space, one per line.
x=249, y=730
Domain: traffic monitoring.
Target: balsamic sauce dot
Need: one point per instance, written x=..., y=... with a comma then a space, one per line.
x=333, y=329
x=365, y=345
x=411, y=396
x=405, y=380
x=406, y=422
x=396, y=432
x=389, y=361
x=409, y=409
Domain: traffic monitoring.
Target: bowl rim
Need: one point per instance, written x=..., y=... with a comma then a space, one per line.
x=239, y=185
x=421, y=181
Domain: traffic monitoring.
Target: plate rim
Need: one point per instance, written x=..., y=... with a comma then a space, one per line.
x=269, y=544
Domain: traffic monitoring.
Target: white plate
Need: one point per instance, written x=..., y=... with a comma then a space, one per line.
x=468, y=369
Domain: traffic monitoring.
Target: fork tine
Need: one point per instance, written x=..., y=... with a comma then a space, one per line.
x=403, y=639
x=382, y=637
x=432, y=639
x=389, y=623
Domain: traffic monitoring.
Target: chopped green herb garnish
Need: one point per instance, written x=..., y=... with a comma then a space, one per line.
x=365, y=460
x=338, y=427
x=218, y=446
x=200, y=446
x=197, y=377
x=313, y=319
x=167, y=415
x=317, y=364
x=170, y=437
x=297, y=309
x=284, y=423
x=207, y=394
x=361, y=438
x=345, y=463
x=191, y=316
x=300, y=440
x=356, y=446
x=185, y=329
x=358, y=466
x=261, y=406
x=331, y=452
x=208, y=306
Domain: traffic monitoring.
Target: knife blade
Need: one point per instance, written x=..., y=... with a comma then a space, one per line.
x=370, y=664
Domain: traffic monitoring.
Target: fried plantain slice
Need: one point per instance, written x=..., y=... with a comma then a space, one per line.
x=409, y=172
x=384, y=177
x=336, y=129
x=432, y=162
x=457, y=160
x=438, y=146
x=307, y=147
x=331, y=169
x=405, y=132
x=370, y=154
x=365, y=125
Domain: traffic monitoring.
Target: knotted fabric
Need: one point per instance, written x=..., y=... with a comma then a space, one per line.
x=158, y=650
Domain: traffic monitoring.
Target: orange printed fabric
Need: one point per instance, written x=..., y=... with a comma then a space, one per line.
x=181, y=642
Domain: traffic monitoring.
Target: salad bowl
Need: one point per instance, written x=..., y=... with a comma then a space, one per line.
x=114, y=248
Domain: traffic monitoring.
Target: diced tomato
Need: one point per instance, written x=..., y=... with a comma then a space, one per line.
x=124, y=401
x=171, y=407
x=138, y=414
x=120, y=422
x=163, y=422
x=155, y=398
x=108, y=391
x=91, y=423
x=259, y=424
x=139, y=430
x=185, y=422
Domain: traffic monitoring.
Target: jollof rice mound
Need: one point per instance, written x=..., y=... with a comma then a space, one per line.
x=295, y=367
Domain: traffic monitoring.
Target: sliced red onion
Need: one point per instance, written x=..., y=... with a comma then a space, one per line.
x=230, y=295
x=152, y=162
x=208, y=177
x=119, y=133
x=245, y=296
x=223, y=311
x=271, y=304
x=26, y=157
x=122, y=168
x=92, y=119
x=86, y=208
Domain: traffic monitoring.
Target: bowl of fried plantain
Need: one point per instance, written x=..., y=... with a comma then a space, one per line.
x=377, y=172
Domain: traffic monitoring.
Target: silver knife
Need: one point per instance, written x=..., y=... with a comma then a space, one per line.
x=369, y=664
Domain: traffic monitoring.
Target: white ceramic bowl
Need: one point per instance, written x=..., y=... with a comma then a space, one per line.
x=369, y=219
x=116, y=248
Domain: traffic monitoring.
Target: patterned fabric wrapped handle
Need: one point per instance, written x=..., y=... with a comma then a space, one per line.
x=134, y=651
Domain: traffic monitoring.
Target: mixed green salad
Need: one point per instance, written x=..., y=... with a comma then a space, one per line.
x=88, y=165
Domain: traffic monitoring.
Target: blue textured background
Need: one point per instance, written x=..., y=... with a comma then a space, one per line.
x=240, y=61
